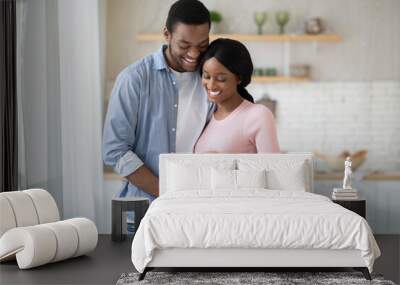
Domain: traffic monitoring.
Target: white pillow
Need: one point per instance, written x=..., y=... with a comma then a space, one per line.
x=236, y=179
x=223, y=179
x=184, y=175
x=293, y=180
x=251, y=178
x=281, y=174
x=183, y=178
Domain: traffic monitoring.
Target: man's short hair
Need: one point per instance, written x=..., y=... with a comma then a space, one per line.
x=190, y=12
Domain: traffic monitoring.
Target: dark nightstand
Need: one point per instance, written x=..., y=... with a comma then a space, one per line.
x=357, y=206
x=138, y=205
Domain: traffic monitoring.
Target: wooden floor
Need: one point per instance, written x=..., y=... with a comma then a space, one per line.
x=110, y=260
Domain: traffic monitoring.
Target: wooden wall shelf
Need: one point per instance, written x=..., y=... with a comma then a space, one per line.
x=287, y=39
x=373, y=176
x=257, y=38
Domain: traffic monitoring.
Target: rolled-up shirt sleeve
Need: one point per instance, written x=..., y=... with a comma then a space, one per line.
x=120, y=125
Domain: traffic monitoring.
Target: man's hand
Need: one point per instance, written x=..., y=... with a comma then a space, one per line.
x=144, y=179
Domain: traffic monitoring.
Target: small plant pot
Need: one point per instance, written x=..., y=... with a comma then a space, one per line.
x=214, y=28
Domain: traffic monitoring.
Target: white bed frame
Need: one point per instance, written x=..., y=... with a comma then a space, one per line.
x=234, y=257
x=251, y=258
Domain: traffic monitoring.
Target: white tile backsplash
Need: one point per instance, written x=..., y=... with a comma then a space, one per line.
x=334, y=116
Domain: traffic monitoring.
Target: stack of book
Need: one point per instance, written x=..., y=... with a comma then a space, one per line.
x=344, y=194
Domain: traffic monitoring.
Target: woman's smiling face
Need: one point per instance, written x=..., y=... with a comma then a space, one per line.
x=220, y=83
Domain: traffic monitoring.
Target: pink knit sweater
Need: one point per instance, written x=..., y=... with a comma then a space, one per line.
x=250, y=128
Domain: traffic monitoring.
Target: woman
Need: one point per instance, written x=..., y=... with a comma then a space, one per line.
x=238, y=125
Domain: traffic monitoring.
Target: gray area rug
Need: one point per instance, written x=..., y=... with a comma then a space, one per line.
x=273, y=278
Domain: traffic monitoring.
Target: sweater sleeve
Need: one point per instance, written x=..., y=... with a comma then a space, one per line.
x=263, y=130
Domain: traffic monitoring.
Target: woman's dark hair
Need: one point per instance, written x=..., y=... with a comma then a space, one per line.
x=236, y=58
x=191, y=12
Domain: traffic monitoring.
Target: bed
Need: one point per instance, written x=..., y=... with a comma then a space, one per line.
x=246, y=211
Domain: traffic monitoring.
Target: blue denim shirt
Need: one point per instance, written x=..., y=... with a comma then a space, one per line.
x=142, y=118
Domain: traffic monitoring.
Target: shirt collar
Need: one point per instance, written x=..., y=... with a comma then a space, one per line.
x=159, y=59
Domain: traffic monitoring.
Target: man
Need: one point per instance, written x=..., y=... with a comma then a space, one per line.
x=158, y=104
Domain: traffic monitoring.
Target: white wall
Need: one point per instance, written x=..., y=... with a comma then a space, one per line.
x=354, y=102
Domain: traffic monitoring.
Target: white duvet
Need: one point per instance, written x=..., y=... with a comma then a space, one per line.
x=253, y=218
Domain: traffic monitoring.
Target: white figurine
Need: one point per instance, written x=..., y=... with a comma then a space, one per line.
x=347, y=174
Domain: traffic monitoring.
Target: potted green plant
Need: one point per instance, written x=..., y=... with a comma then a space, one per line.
x=215, y=18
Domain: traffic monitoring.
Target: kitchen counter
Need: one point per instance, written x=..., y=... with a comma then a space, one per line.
x=373, y=176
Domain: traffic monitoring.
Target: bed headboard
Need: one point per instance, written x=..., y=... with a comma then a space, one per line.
x=237, y=160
